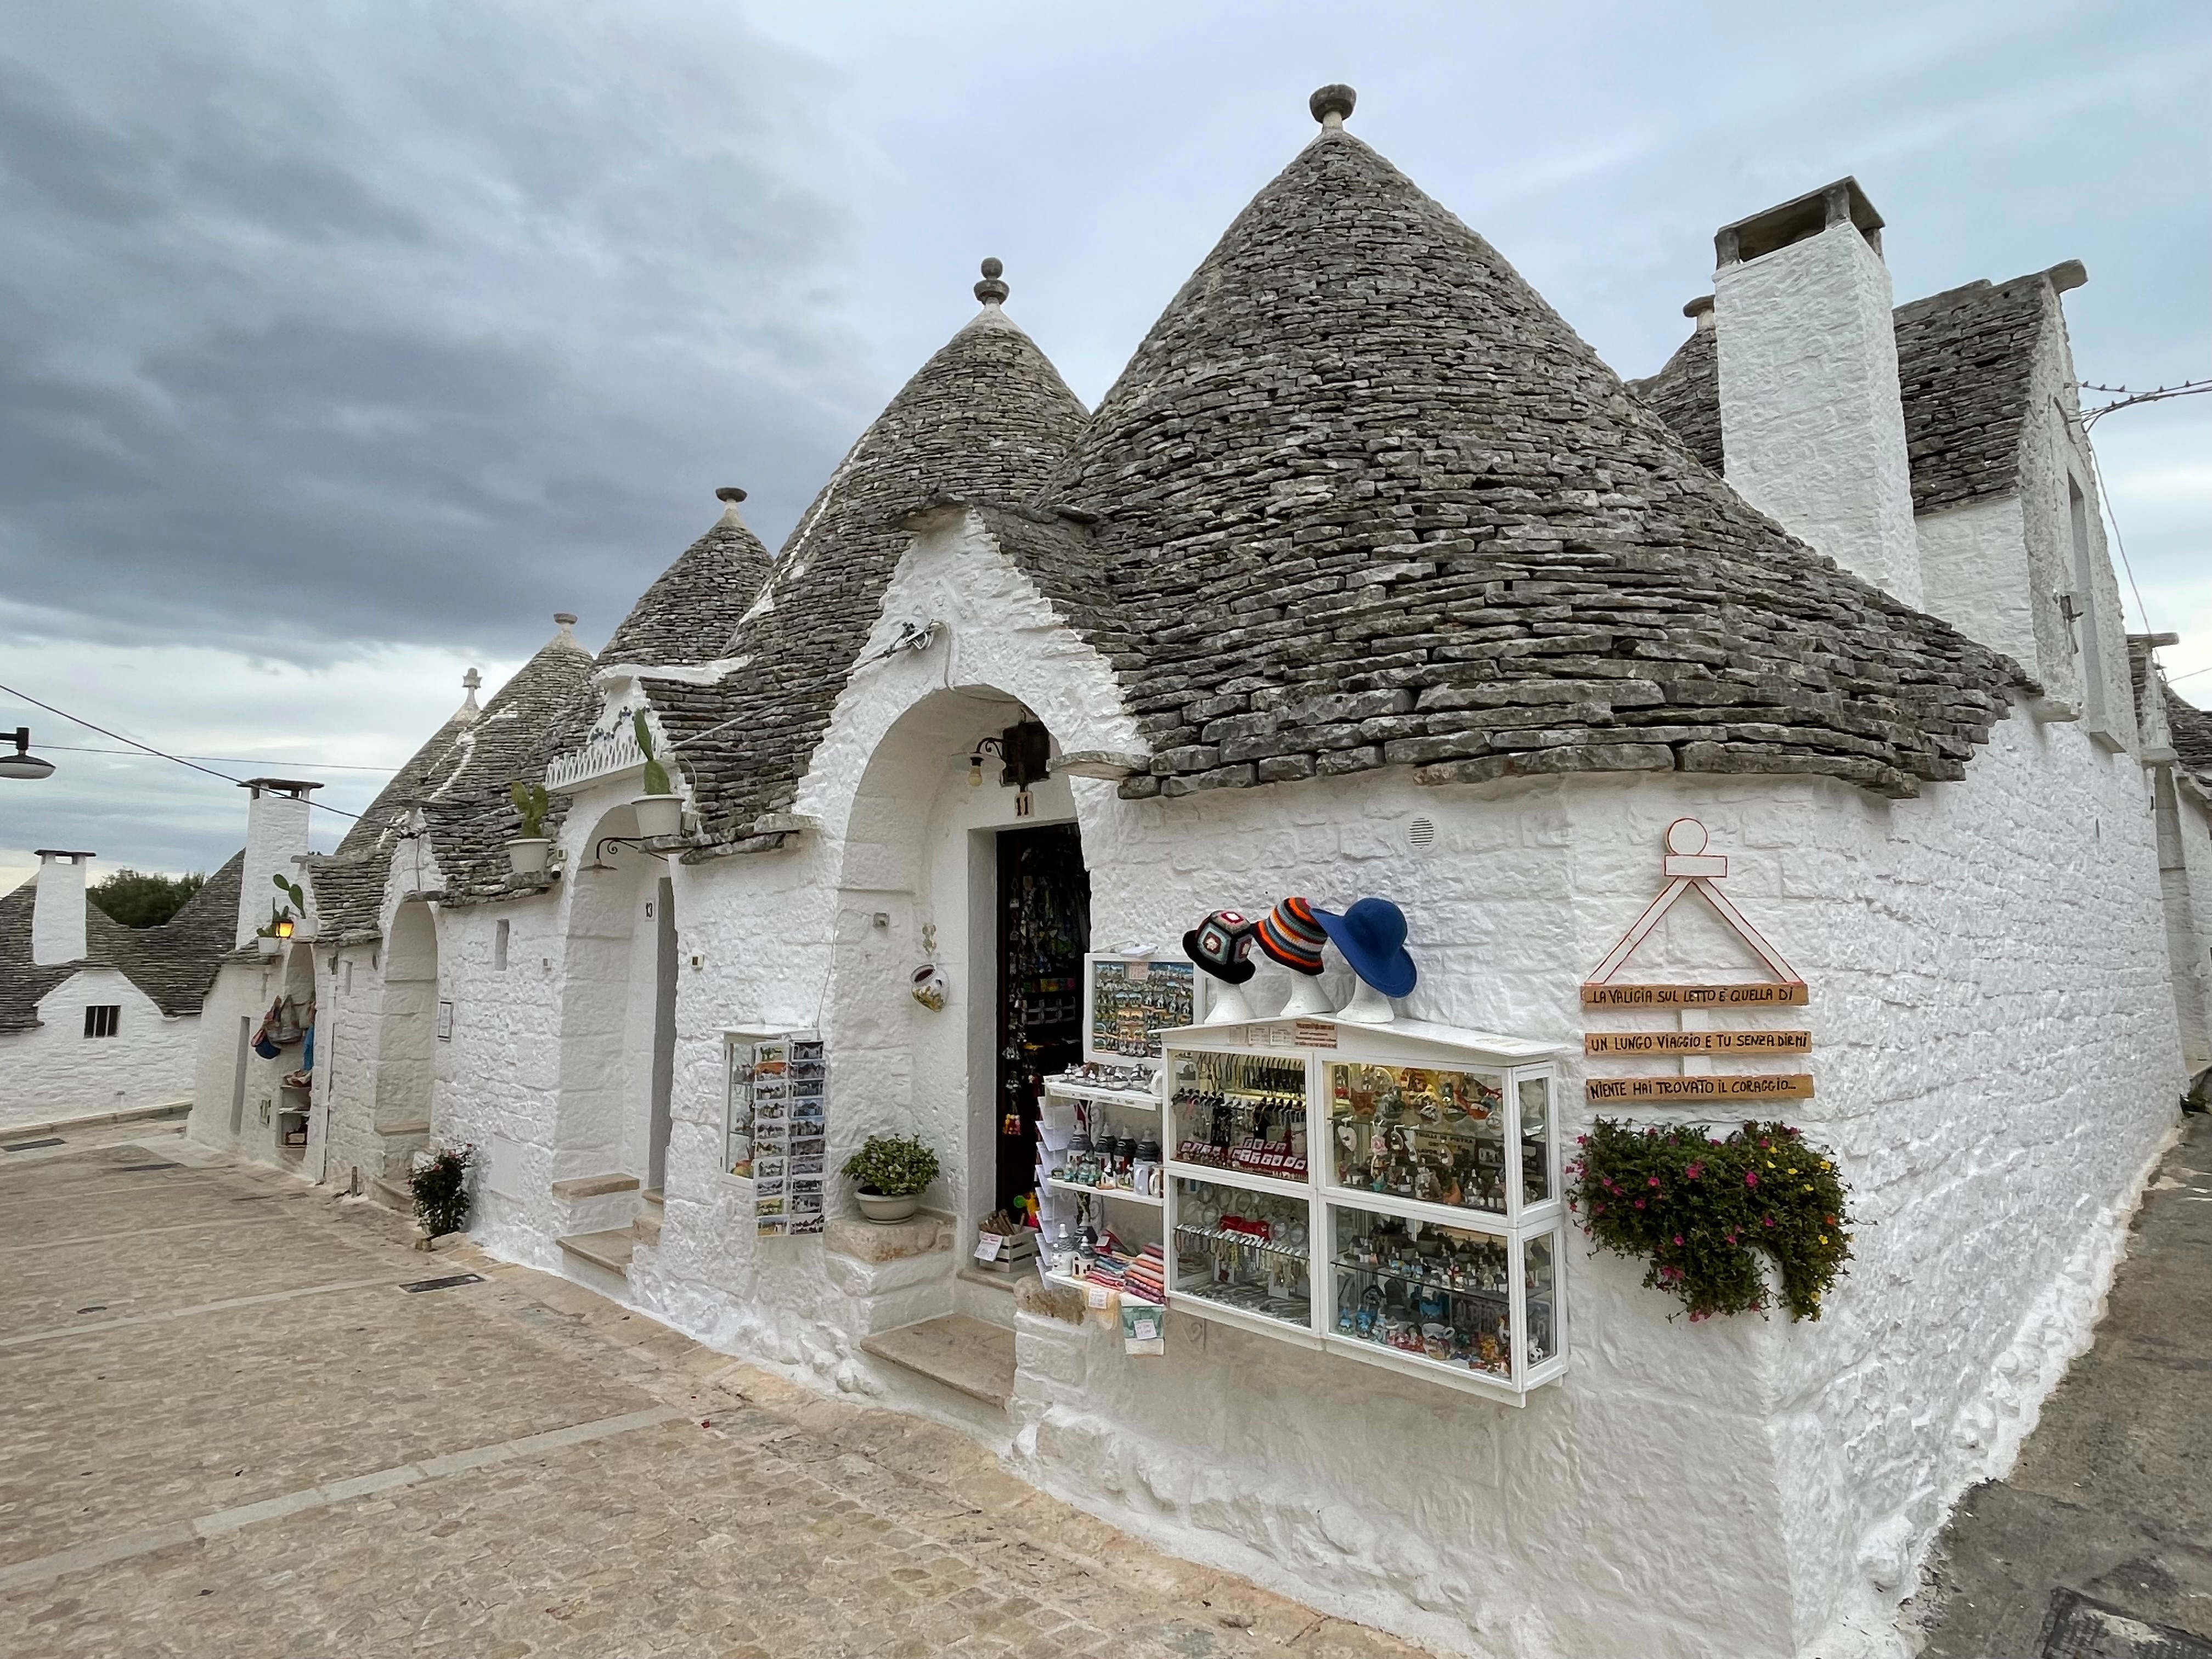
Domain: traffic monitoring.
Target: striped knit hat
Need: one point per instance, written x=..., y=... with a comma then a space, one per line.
x=1290, y=935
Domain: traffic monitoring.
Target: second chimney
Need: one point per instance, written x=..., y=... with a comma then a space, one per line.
x=58, y=908
x=1812, y=424
x=275, y=834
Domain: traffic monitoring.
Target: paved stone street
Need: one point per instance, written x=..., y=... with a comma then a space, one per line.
x=230, y=1432
x=2098, y=1544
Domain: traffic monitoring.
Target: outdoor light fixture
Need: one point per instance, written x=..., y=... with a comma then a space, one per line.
x=989, y=746
x=24, y=763
x=281, y=927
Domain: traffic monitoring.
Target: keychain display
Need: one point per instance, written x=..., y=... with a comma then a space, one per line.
x=1241, y=1112
x=1418, y=1133
x=1244, y=1250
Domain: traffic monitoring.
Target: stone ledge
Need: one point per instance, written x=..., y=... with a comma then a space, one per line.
x=420, y=1125
x=879, y=1241
x=95, y=1120
x=593, y=1186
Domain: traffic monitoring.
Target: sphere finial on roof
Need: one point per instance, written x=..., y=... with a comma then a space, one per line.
x=1332, y=103
x=730, y=493
x=991, y=291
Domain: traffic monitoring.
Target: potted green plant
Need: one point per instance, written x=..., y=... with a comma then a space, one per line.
x=438, y=1180
x=283, y=920
x=889, y=1174
x=659, y=810
x=526, y=853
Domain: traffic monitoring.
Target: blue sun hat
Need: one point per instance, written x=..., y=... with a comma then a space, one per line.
x=1371, y=935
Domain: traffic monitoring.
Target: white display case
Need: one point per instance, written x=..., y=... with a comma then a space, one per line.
x=1387, y=1192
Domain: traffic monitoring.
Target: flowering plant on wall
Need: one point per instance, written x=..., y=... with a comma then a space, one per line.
x=1696, y=1206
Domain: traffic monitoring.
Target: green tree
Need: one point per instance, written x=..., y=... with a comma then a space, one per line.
x=137, y=899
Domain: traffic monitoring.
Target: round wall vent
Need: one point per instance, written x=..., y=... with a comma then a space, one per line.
x=1420, y=835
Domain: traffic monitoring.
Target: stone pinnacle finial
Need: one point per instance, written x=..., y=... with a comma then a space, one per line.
x=991, y=291
x=470, y=682
x=1332, y=103
x=566, y=620
x=730, y=493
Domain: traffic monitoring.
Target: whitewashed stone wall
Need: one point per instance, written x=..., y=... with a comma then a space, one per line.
x=53, y=1070
x=2184, y=858
x=1974, y=575
x=234, y=1092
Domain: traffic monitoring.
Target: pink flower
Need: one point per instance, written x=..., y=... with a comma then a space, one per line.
x=1769, y=1222
x=1694, y=1170
x=1677, y=1238
x=1639, y=1203
x=1655, y=1180
x=1751, y=1177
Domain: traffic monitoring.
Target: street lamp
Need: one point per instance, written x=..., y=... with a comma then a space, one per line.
x=24, y=763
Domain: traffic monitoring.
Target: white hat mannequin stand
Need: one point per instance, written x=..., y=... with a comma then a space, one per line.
x=1306, y=997
x=1368, y=1006
x=1227, y=1006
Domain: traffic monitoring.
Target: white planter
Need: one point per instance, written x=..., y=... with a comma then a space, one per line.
x=271, y=948
x=876, y=1207
x=526, y=855
x=659, y=815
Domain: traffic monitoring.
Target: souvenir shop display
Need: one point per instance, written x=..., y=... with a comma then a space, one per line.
x=775, y=1126
x=1370, y=936
x=1423, y=1232
x=1128, y=1000
x=1291, y=936
x=1221, y=945
x=1045, y=929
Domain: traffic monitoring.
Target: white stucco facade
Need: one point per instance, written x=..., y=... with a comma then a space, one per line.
x=55, y=1070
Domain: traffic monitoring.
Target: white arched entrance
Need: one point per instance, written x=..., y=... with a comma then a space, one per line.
x=922, y=879
x=618, y=1012
x=407, y=1022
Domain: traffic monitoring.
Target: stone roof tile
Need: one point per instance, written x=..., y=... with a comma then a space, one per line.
x=985, y=419
x=689, y=614
x=1359, y=454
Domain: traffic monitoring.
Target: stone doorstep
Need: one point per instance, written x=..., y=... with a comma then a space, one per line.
x=964, y=1354
x=593, y=1186
x=420, y=1125
x=610, y=1249
x=63, y=1126
x=391, y=1194
x=653, y=1195
x=645, y=1228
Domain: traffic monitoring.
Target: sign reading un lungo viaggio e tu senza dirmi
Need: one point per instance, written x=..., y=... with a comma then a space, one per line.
x=1686, y=865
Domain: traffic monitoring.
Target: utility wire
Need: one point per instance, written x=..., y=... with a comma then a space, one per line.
x=226, y=760
x=78, y=720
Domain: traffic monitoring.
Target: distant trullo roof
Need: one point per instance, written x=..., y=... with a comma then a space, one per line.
x=173, y=963
x=460, y=779
x=690, y=613
x=1362, y=498
x=985, y=419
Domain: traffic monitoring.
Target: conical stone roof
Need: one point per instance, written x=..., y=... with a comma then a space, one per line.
x=1364, y=499
x=986, y=419
x=689, y=614
x=460, y=780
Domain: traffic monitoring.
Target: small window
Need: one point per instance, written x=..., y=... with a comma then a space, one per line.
x=100, y=1018
x=349, y=979
x=499, y=948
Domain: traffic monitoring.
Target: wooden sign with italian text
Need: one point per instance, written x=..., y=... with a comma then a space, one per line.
x=1664, y=1090
x=1697, y=1042
x=1790, y=994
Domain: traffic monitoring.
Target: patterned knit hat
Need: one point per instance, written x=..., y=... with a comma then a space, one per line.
x=1290, y=935
x=1222, y=945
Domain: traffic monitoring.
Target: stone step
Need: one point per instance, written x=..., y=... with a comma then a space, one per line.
x=597, y=1186
x=417, y=1127
x=964, y=1354
x=393, y=1194
x=610, y=1249
x=646, y=1229
x=400, y=1142
x=653, y=1196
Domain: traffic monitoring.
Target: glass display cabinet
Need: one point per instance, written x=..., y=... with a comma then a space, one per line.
x=1422, y=1230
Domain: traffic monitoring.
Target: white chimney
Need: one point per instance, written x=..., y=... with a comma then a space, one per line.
x=58, y=908
x=275, y=834
x=1812, y=424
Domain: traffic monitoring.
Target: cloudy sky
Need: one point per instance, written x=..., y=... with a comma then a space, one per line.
x=342, y=344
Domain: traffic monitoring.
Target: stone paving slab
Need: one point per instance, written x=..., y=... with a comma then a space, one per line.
x=756, y=1519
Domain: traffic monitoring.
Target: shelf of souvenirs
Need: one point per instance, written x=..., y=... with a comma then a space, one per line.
x=1248, y=1307
x=1126, y=1195
x=1112, y=1266
x=1067, y=1086
x=1261, y=1166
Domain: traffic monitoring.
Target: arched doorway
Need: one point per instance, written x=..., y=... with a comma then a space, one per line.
x=618, y=1012
x=941, y=865
x=294, y=1077
x=407, y=1021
